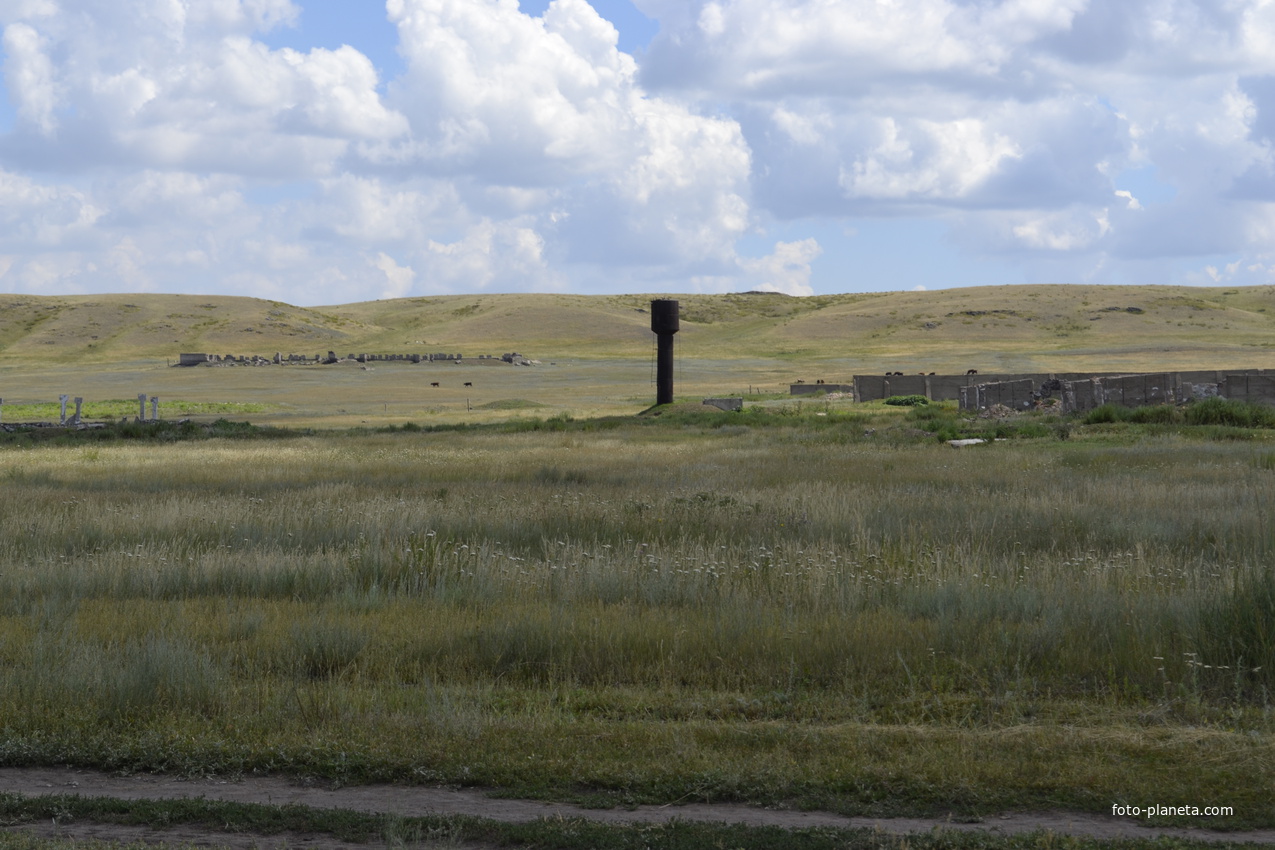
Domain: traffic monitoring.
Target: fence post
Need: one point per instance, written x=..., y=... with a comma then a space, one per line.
x=63, y=399
x=141, y=400
x=154, y=408
x=79, y=401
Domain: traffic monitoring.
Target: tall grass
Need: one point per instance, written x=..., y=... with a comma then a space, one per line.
x=721, y=550
x=353, y=589
x=1208, y=411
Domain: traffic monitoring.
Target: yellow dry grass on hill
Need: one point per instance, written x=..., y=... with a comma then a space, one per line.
x=1059, y=327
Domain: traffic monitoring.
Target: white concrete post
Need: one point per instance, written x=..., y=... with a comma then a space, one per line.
x=79, y=402
x=154, y=408
x=141, y=400
x=63, y=399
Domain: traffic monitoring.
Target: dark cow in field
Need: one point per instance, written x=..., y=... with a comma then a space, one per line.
x=469, y=383
x=434, y=384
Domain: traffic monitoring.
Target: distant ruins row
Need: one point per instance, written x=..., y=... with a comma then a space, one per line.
x=280, y=359
x=1076, y=391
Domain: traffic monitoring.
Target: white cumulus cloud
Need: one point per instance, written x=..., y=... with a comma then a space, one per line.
x=167, y=143
x=786, y=269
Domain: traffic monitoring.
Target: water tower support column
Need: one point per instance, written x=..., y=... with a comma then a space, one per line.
x=664, y=323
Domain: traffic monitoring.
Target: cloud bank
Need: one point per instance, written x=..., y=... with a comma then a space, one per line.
x=162, y=145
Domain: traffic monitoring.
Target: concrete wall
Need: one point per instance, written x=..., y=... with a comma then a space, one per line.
x=947, y=387
x=1081, y=392
x=1140, y=390
x=869, y=387
x=937, y=387
x=1257, y=388
x=1016, y=395
x=1084, y=393
x=905, y=385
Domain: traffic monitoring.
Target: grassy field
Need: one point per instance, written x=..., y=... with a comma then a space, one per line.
x=595, y=352
x=525, y=585
x=816, y=607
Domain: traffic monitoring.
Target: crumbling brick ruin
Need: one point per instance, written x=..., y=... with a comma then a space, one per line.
x=1079, y=391
x=279, y=359
x=1137, y=390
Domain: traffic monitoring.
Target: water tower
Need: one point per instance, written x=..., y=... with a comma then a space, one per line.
x=664, y=324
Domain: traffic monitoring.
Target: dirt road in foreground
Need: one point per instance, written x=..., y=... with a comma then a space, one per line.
x=417, y=801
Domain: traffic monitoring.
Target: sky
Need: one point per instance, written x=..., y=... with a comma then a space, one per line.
x=332, y=151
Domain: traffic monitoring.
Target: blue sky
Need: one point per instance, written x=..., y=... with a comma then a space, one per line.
x=318, y=151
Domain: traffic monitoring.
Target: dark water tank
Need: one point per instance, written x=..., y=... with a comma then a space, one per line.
x=664, y=317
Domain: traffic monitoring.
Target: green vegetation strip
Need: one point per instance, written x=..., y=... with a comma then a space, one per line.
x=117, y=408
x=162, y=431
x=232, y=819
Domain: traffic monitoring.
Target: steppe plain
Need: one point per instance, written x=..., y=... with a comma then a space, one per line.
x=537, y=588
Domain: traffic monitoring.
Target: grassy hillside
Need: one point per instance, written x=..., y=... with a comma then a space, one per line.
x=988, y=328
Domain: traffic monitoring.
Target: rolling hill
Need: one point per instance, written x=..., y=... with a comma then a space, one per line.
x=1038, y=327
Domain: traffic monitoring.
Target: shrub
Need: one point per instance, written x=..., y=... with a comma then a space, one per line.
x=1226, y=411
x=907, y=400
x=1106, y=413
x=1158, y=414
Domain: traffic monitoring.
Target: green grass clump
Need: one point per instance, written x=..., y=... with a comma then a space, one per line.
x=1155, y=414
x=1214, y=412
x=1225, y=411
x=907, y=400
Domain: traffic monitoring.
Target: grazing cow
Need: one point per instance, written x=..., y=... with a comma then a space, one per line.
x=469, y=383
x=800, y=381
x=971, y=371
x=434, y=384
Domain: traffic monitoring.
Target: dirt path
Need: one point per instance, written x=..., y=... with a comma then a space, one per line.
x=415, y=801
